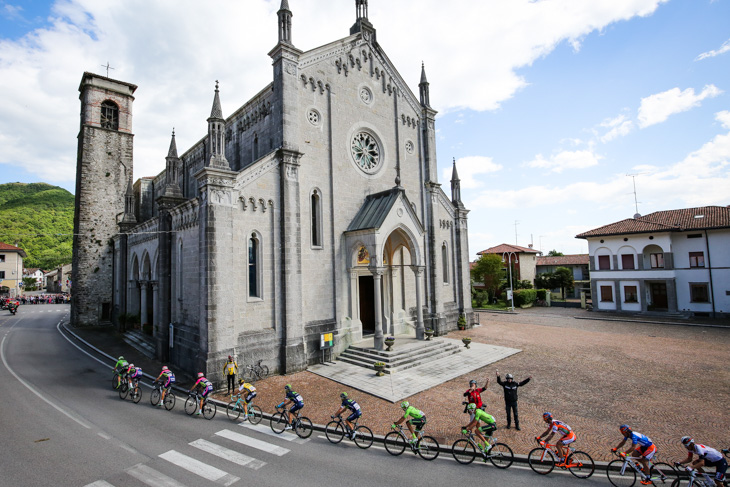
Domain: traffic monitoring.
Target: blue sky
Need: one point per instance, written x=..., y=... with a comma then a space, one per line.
x=546, y=105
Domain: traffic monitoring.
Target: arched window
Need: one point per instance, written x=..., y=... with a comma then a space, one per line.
x=254, y=267
x=180, y=272
x=316, y=208
x=445, y=262
x=109, y=115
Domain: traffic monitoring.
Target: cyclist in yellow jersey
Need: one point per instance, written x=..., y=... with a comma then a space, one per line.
x=248, y=391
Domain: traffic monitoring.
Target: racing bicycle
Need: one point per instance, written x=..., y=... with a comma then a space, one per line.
x=191, y=405
x=542, y=461
x=130, y=388
x=465, y=451
x=235, y=408
x=302, y=426
x=623, y=472
x=425, y=446
x=337, y=428
x=255, y=372
x=695, y=481
x=156, y=394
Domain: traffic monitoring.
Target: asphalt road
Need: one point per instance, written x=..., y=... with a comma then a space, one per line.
x=62, y=424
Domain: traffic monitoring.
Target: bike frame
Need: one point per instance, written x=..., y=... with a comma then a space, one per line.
x=631, y=461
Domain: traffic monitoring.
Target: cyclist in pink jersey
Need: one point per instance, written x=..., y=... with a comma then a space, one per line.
x=206, y=387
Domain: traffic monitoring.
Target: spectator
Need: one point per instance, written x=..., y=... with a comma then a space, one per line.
x=510, y=397
x=230, y=369
x=474, y=394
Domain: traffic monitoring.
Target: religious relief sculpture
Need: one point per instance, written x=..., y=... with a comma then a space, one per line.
x=363, y=256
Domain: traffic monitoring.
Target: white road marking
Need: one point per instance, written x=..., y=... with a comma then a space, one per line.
x=227, y=454
x=152, y=477
x=104, y=435
x=253, y=443
x=199, y=468
x=286, y=435
x=99, y=483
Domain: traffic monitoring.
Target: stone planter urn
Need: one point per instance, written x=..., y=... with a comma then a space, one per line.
x=466, y=341
x=429, y=334
x=379, y=367
x=389, y=343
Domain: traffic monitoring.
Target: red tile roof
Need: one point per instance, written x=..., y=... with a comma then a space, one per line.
x=575, y=259
x=702, y=218
x=500, y=249
x=10, y=248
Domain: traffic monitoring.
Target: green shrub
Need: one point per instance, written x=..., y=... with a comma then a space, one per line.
x=525, y=297
x=542, y=294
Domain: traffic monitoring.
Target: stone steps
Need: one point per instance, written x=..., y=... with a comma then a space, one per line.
x=412, y=355
x=141, y=343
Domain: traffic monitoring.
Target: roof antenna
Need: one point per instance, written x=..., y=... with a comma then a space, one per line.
x=636, y=202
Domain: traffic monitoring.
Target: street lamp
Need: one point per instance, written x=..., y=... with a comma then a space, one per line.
x=509, y=264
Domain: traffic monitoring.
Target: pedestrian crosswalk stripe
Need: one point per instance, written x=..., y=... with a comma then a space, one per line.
x=253, y=442
x=99, y=483
x=152, y=477
x=199, y=468
x=226, y=454
x=267, y=431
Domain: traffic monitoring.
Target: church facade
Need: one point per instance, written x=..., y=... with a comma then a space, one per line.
x=313, y=208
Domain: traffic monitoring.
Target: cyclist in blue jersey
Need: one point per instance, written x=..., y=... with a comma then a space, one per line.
x=294, y=398
x=642, y=449
x=355, y=412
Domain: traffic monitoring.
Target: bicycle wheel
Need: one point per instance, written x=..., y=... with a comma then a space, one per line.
x=169, y=401
x=136, y=395
x=209, y=410
x=678, y=483
x=155, y=397
x=191, y=405
x=363, y=437
x=541, y=460
x=254, y=414
x=232, y=411
x=264, y=371
x=581, y=464
x=303, y=428
x=670, y=474
x=115, y=381
x=334, y=432
x=394, y=443
x=123, y=391
x=463, y=451
x=279, y=422
x=627, y=478
x=501, y=455
x=428, y=448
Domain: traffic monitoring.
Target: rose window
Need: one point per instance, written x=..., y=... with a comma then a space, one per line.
x=365, y=151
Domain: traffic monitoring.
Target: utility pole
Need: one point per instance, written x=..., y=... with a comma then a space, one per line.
x=636, y=201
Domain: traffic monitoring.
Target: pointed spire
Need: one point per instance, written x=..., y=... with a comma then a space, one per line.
x=284, y=5
x=361, y=7
x=454, y=174
x=455, y=186
x=216, y=112
x=128, y=219
x=285, y=16
x=172, y=152
x=423, y=87
x=423, y=73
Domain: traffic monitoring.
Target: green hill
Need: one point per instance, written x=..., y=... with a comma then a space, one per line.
x=38, y=218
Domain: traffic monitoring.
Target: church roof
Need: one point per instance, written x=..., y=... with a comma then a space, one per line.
x=376, y=208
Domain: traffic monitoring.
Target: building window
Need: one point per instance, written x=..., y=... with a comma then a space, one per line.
x=627, y=261
x=253, y=267
x=604, y=262
x=2, y=257
x=630, y=294
x=657, y=261
x=698, y=293
x=109, y=115
x=697, y=259
x=607, y=294
x=2, y=274
x=316, y=208
x=445, y=262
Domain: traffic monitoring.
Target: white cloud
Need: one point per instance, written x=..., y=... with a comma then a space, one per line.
x=659, y=107
x=174, y=50
x=470, y=167
x=724, y=118
x=723, y=49
x=618, y=127
x=561, y=161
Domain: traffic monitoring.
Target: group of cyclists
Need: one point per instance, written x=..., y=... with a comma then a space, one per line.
x=482, y=424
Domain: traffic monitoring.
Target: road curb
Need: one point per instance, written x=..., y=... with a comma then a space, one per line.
x=651, y=322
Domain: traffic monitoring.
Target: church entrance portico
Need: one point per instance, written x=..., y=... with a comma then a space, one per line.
x=366, y=306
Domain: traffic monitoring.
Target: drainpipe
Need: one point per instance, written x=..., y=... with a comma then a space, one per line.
x=709, y=268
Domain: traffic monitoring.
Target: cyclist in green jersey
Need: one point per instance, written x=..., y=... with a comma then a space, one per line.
x=490, y=425
x=412, y=417
x=119, y=367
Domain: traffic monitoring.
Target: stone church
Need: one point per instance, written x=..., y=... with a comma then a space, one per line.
x=313, y=208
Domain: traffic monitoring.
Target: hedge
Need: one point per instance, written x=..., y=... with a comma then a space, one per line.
x=525, y=297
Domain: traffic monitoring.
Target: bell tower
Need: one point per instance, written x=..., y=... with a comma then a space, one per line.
x=103, y=170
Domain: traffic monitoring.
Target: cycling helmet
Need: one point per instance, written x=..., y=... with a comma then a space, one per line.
x=200, y=374
x=405, y=404
x=509, y=376
x=687, y=441
x=131, y=366
x=547, y=416
x=241, y=381
x=230, y=358
x=343, y=395
x=471, y=406
x=287, y=387
x=472, y=382
x=164, y=368
x=624, y=428
x=121, y=358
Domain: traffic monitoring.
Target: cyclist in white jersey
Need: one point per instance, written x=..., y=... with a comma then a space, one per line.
x=706, y=457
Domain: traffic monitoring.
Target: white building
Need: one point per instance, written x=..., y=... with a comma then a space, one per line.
x=37, y=274
x=669, y=261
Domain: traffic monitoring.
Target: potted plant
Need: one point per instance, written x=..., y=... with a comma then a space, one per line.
x=379, y=366
x=466, y=341
x=389, y=341
x=429, y=333
x=461, y=322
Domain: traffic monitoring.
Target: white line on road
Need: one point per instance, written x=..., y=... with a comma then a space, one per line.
x=253, y=443
x=99, y=483
x=267, y=431
x=199, y=468
x=152, y=477
x=226, y=454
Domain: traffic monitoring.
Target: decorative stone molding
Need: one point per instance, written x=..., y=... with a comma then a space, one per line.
x=446, y=224
x=254, y=203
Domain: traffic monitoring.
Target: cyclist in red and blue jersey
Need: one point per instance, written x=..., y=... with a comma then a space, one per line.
x=355, y=412
x=706, y=457
x=206, y=387
x=567, y=435
x=292, y=397
x=168, y=379
x=642, y=448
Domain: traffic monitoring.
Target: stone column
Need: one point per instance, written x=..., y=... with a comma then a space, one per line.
x=143, y=302
x=418, y=272
x=377, y=278
x=155, y=309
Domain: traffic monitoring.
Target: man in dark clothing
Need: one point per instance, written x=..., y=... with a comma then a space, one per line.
x=510, y=397
x=474, y=394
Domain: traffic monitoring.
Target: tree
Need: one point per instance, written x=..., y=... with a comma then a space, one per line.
x=545, y=280
x=555, y=253
x=488, y=269
x=29, y=284
x=563, y=279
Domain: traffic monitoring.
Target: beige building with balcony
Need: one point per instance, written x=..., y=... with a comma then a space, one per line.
x=11, y=270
